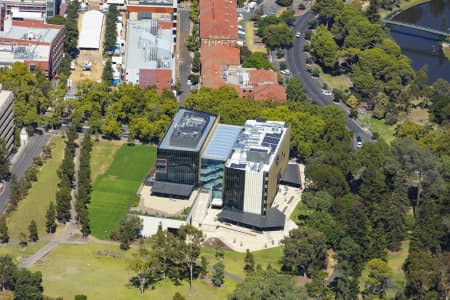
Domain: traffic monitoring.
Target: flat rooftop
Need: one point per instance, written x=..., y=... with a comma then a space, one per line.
x=188, y=130
x=10, y=53
x=32, y=34
x=148, y=47
x=257, y=145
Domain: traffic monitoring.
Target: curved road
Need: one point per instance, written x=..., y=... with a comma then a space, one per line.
x=297, y=64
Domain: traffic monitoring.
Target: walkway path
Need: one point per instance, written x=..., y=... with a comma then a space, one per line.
x=70, y=229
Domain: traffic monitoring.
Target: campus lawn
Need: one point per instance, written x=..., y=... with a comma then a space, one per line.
x=234, y=261
x=35, y=205
x=102, y=155
x=101, y=272
x=385, y=131
x=113, y=191
x=15, y=251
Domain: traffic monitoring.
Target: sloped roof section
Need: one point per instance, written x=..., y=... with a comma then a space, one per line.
x=222, y=142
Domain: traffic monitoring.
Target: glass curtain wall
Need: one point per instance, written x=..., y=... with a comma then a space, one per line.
x=211, y=176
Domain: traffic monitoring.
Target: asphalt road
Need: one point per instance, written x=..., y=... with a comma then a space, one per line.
x=32, y=149
x=184, y=57
x=296, y=62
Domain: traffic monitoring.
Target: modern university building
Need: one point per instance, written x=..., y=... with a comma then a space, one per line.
x=241, y=166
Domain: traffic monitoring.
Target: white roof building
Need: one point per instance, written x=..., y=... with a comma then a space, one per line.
x=91, y=30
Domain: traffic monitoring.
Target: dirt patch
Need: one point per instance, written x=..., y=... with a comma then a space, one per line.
x=419, y=116
x=331, y=263
x=108, y=253
x=217, y=244
x=302, y=280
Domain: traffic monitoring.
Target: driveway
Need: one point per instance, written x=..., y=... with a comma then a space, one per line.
x=297, y=64
x=25, y=159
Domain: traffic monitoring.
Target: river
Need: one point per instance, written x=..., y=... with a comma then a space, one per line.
x=423, y=48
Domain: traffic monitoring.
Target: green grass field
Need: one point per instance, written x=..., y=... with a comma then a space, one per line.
x=82, y=269
x=395, y=260
x=102, y=156
x=113, y=191
x=234, y=261
x=35, y=205
x=385, y=131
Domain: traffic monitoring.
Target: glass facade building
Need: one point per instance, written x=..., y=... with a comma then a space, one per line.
x=177, y=166
x=233, y=195
x=211, y=176
x=178, y=154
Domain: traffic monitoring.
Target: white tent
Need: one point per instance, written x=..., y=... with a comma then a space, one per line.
x=91, y=30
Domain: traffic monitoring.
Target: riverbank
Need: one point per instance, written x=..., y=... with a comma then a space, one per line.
x=404, y=5
x=446, y=49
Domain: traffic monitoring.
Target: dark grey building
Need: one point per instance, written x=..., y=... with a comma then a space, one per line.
x=178, y=155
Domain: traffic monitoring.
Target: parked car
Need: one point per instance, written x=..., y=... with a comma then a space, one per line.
x=358, y=142
x=285, y=72
x=326, y=92
x=298, y=34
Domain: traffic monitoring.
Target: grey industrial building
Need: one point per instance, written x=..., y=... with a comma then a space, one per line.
x=7, y=118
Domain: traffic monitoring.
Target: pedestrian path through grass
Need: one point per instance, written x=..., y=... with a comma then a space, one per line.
x=113, y=191
x=42, y=192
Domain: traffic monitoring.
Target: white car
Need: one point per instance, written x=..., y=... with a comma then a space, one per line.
x=298, y=34
x=285, y=72
x=326, y=92
x=189, y=82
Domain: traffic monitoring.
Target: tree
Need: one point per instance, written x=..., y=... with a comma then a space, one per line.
x=164, y=251
x=129, y=230
x=58, y=20
x=23, y=240
x=80, y=297
x=107, y=75
x=378, y=277
x=196, y=62
x=266, y=284
x=111, y=128
x=257, y=60
x=143, y=266
x=249, y=261
x=440, y=107
x=278, y=36
x=190, y=248
x=318, y=287
x=178, y=296
x=203, y=267
x=295, y=91
x=218, y=275
x=8, y=272
x=328, y=9
x=4, y=237
x=33, y=232
x=372, y=12
x=325, y=48
x=4, y=163
x=304, y=251
x=28, y=285
x=326, y=178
